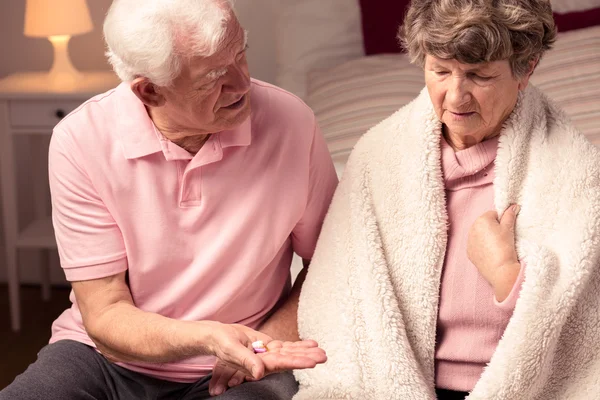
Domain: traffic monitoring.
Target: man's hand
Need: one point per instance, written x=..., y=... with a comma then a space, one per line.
x=282, y=356
x=111, y=319
x=232, y=345
x=491, y=248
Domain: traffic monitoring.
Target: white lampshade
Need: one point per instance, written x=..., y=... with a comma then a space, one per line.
x=45, y=18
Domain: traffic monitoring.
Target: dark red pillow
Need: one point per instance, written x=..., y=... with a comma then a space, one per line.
x=380, y=22
x=381, y=19
x=577, y=19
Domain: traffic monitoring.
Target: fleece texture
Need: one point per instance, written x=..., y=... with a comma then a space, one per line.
x=371, y=295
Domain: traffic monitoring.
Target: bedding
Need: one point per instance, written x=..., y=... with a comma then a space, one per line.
x=381, y=19
x=316, y=34
x=349, y=99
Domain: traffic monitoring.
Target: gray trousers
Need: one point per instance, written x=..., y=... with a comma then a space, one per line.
x=69, y=370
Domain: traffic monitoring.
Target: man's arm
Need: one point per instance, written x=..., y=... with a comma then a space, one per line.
x=322, y=181
x=93, y=255
x=122, y=332
x=283, y=324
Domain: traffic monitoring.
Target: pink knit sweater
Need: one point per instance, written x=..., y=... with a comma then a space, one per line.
x=470, y=320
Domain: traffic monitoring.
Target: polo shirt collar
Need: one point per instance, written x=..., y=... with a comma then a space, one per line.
x=240, y=136
x=140, y=137
x=136, y=129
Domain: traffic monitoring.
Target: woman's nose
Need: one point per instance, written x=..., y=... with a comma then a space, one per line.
x=458, y=93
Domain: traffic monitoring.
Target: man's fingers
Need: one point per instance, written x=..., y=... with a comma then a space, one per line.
x=252, y=334
x=220, y=377
x=510, y=217
x=315, y=354
x=252, y=364
x=244, y=359
x=236, y=379
x=303, y=344
x=276, y=362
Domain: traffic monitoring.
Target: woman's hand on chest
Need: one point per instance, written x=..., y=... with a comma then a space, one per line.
x=491, y=248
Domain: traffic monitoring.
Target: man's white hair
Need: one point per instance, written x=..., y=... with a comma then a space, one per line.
x=150, y=38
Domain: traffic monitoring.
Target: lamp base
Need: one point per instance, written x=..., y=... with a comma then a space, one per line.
x=63, y=74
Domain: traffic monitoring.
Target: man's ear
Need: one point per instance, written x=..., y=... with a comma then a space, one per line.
x=525, y=79
x=147, y=92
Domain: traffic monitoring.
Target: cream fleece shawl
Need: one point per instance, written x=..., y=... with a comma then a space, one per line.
x=371, y=295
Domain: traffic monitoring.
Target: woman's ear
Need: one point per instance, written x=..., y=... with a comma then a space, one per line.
x=524, y=81
x=147, y=92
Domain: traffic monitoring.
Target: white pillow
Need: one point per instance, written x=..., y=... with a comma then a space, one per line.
x=352, y=97
x=315, y=34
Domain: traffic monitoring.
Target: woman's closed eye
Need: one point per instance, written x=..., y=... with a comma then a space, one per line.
x=481, y=78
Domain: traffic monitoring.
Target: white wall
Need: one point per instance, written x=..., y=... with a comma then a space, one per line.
x=19, y=53
x=258, y=17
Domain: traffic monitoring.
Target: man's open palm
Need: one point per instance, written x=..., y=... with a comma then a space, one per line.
x=282, y=356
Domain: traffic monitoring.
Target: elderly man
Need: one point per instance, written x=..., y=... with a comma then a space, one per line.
x=179, y=198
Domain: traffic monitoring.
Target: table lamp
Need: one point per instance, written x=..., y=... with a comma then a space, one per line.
x=58, y=20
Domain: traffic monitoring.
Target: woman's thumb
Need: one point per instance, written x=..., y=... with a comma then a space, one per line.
x=509, y=217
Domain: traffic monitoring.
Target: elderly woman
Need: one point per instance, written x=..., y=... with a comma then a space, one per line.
x=461, y=253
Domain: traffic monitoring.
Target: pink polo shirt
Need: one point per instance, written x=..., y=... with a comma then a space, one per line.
x=204, y=237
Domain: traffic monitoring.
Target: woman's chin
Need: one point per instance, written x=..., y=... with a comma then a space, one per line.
x=460, y=130
x=461, y=137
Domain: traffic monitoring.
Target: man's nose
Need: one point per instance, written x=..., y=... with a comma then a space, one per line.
x=237, y=80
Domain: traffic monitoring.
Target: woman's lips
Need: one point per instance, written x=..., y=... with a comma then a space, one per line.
x=462, y=115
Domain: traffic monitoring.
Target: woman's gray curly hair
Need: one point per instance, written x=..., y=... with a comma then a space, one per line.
x=477, y=31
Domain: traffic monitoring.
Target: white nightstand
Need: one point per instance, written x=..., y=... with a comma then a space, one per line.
x=30, y=105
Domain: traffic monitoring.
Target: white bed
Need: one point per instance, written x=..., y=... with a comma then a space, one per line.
x=320, y=58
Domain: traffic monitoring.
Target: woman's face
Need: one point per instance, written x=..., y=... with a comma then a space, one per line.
x=472, y=100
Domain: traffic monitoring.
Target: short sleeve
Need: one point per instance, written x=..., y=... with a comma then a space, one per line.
x=89, y=241
x=322, y=183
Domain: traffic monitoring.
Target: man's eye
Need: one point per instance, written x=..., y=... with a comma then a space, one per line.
x=208, y=86
x=242, y=53
x=441, y=73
